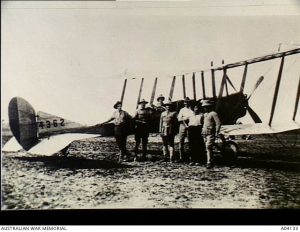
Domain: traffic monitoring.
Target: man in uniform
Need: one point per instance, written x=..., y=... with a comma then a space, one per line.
x=167, y=129
x=121, y=120
x=142, y=119
x=183, y=119
x=195, y=137
x=156, y=111
x=211, y=129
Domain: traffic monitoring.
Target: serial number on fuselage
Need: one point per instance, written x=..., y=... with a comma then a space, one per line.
x=53, y=123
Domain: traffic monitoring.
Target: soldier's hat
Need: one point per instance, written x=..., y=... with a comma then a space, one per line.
x=161, y=97
x=186, y=99
x=117, y=103
x=168, y=103
x=143, y=101
x=207, y=103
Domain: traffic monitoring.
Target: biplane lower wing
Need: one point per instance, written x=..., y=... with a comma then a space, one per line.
x=56, y=143
x=48, y=146
x=258, y=128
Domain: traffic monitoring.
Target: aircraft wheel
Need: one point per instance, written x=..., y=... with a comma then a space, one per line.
x=230, y=151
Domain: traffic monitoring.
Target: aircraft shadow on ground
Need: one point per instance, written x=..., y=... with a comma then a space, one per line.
x=279, y=165
x=74, y=162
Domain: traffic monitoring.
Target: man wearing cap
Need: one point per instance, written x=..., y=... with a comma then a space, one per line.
x=183, y=118
x=142, y=119
x=211, y=129
x=121, y=120
x=167, y=130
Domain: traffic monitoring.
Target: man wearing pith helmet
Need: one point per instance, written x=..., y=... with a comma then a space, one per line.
x=160, y=103
x=211, y=129
x=142, y=120
x=121, y=120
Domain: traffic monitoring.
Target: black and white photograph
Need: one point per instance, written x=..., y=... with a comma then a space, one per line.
x=150, y=104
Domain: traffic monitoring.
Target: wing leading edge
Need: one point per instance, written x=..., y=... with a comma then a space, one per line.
x=258, y=128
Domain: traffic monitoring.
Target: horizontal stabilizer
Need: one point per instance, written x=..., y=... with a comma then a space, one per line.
x=54, y=144
x=258, y=128
x=12, y=145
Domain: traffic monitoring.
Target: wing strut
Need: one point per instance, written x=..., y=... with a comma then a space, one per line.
x=229, y=81
x=194, y=87
x=203, y=85
x=172, y=88
x=223, y=83
x=297, y=101
x=183, y=86
x=153, y=92
x=213, y=81
x=276, y=90
x=226, y=86
x=140, y=93
x=244, y=78
x=227, y=78
x=123, y=91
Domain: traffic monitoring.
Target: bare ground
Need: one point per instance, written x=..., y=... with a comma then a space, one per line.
x=89, y=177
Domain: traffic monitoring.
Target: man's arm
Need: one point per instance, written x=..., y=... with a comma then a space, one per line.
x=180, y=116
x=160, y=123
x=109, y=120
x=218, y=122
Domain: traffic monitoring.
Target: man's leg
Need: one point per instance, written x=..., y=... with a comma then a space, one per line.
x=118, y=133
x=144, y=144
x=209, y=149
x=124, y=143
x=182, y=135
x=202, y=155
x=192, y=143
x=171, y=147
x=165, y=147
x=137, y=144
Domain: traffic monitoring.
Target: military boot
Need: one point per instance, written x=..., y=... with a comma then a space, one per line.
x=165, y=153
x=181, y=155
x=171, y=154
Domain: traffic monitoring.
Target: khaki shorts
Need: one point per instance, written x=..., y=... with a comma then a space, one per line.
x=209, y=141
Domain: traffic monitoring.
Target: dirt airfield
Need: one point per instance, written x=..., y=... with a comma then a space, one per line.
x=266, y=175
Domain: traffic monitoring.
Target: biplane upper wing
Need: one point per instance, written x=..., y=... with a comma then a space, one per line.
x=258, y=128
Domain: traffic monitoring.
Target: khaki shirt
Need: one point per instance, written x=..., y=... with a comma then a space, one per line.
x=142, y=116
x=211, y=123
x=168, y=123
x=120, y=117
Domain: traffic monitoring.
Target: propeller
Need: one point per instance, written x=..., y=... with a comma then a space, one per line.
x=253, y=115
x=251, y=112
x=259, y=81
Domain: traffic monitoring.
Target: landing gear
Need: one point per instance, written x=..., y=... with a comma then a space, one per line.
x=228, y=149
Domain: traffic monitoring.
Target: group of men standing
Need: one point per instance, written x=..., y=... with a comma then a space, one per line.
x=199, y=126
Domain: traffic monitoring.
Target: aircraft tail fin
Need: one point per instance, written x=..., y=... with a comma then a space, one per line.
x=22, y=122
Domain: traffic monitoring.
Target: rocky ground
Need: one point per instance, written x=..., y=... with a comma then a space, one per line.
x=89, y=177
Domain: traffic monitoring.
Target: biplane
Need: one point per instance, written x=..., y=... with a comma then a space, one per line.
x=46, y=134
